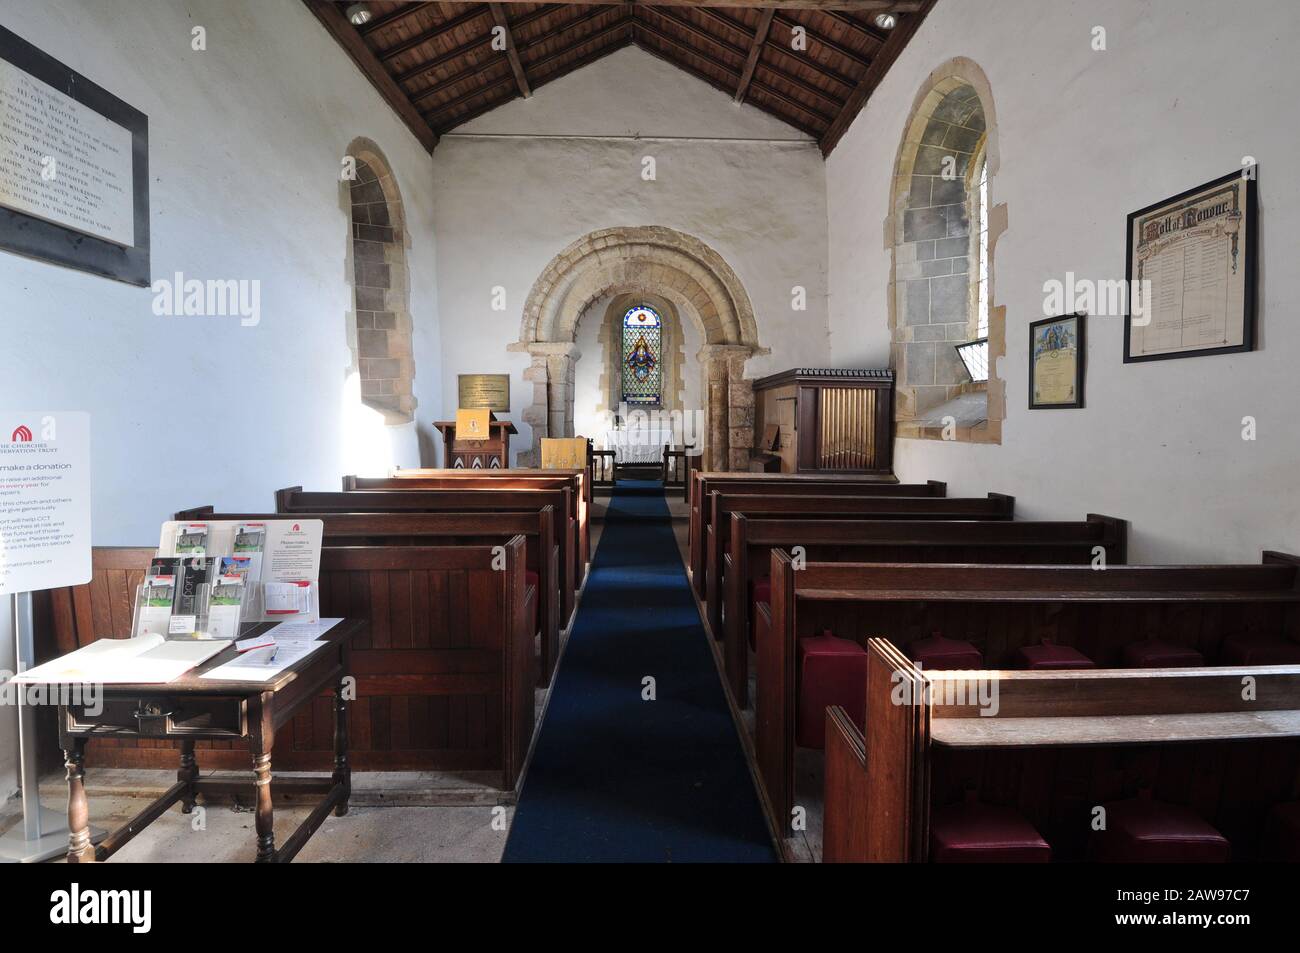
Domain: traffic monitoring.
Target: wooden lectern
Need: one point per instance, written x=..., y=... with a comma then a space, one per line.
x=492, y=453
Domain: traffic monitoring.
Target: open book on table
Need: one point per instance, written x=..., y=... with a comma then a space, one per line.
x=146, y=659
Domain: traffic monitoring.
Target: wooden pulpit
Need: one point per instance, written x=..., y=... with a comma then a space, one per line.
x=490, y=453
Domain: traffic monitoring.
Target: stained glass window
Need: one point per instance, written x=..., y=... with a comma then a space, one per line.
x=642, y=358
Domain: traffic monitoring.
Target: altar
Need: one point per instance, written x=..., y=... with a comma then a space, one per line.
x=639, y=445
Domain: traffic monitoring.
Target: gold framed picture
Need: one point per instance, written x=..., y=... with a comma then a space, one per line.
x=1056, y=359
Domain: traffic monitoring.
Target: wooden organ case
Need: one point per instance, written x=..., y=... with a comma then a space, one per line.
x=827, y=420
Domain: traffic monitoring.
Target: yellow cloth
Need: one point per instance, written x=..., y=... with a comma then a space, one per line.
x=564, y=453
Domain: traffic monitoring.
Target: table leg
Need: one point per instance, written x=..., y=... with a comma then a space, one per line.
x=189, y=774
x=265, y=816
x=80, y=850
x=342, y=768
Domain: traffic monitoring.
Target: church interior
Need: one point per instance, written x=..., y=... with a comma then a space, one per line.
x=752, y=431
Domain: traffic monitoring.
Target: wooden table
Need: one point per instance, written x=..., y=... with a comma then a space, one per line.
x=191, y=709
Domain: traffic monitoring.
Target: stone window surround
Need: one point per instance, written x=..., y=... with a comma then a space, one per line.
x=379, y=326
x=672, y=349
x=946, y=78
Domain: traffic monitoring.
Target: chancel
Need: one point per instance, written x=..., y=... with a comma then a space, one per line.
x=761, y=431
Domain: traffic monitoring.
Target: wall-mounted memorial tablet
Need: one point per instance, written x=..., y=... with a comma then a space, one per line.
x=74, y=168
x=1191, y=269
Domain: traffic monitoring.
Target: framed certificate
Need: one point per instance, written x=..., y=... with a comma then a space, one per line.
x=1191, y=262
x=1056, y=356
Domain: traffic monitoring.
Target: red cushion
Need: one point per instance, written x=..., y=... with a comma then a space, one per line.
x=1156, y=654
x=831, y=672
x=973, y=833
x=937, y=654
x=1282, y=833
x=1050, y=656
x=1143, y=831
x=1259, y=650
x=532, y=579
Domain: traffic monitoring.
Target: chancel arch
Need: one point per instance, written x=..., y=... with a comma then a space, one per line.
x=942, y=235
x=379, y=325
x=689, y=281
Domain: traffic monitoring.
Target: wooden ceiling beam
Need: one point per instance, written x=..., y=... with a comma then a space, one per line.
x=661, y=54
x=859, y=60
x=388, y=19
x=740, y=53
x=751, y=61
x=468, y=47
x=898, y=37
x=469, y=16
x=855, y=6
x=875, y=34
x=492, y=63
x=848, y=82
x=516, y=67
x=673, y=41
x=339, y=27
x=535, y=66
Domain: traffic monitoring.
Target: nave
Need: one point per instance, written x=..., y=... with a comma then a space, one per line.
x=627, y=769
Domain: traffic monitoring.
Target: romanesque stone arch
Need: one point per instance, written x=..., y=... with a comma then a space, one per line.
x=649, y=260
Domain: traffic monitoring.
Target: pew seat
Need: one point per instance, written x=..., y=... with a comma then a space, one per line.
x=1142, y=830
x=832, y=671
x=1049, y=656
x=1255, y=649
x=1152, y=653
x=971, y=832
x=939, y=654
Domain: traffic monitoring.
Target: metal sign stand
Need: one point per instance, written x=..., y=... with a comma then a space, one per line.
x=43, y=833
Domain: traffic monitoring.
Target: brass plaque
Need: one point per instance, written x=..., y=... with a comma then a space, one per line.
x=484, y=391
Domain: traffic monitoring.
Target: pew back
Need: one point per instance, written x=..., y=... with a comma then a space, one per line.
x=409, y=529
x=439, y=687
x=722, y=503
x=1058, y=745
x=939, y=541
x=706, y=483
x=1000, y=608
x=471, y=500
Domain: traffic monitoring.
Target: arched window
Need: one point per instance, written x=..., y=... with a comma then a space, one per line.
x=946, y=331
x=975, y=353
x=380, y=332
x=642, y=357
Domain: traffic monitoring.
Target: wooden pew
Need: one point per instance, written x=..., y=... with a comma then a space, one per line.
x=723, y=502
x=471, y=500
x=1059, y=745
x=1000, y=608
x=409, y=529
x=498, y=479
x=862, y=541
x=697, y=475
x=787, y=485
x=440, y=687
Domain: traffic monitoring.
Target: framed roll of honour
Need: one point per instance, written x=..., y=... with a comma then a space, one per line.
x=1057, y=349
x=1191, y=261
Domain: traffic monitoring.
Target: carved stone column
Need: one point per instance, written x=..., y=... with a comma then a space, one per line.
x=730, y=406
x=551, y=412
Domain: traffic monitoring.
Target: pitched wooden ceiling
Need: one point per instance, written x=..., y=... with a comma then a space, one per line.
x=438, y=67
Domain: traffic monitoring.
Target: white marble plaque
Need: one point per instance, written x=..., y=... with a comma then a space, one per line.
x=63, y=162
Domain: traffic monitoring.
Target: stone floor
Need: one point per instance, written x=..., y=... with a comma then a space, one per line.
x=394, y=818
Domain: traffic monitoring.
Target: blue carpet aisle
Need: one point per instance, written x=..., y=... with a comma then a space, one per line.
x=616, y=778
